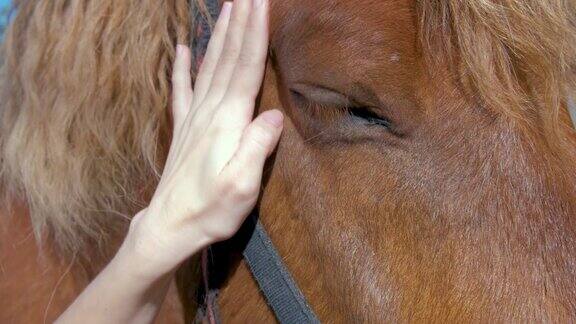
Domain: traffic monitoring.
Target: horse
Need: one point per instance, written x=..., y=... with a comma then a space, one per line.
x=426, y=171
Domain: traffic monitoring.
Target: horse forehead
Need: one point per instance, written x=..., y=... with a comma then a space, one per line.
x=331, y=42
x=381, y=9
x=369, y=22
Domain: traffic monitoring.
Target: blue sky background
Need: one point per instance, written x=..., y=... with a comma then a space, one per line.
x=3, y=4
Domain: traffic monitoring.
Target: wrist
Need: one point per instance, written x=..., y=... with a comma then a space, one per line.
x=133, y=260
x=151, y=250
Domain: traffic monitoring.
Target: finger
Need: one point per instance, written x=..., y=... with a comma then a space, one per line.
x=213, y=53
x=182, y=85
x=230, y=51
x=248, y=73
x=257, y=143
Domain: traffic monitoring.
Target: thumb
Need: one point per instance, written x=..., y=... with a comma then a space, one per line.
x=258, y=141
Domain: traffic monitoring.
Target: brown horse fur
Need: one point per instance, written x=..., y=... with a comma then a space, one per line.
x=462, y=210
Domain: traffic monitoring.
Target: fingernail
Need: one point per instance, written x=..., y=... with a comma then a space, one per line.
x=274, y=117
x=226, y=7
x=257, y=3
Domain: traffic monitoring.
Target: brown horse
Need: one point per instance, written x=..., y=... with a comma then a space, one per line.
x=427, y=171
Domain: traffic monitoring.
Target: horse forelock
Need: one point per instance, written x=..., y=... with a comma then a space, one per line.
x=516, y=57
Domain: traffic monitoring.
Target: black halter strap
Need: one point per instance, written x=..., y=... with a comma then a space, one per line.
x=275, y=281
x=276, y=284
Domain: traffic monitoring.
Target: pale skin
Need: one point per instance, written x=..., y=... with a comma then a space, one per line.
x=212, y=175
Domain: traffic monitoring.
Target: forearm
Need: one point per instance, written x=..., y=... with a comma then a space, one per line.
x=121, y=293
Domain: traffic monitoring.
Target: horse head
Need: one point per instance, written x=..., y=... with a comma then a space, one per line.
x=427, y=165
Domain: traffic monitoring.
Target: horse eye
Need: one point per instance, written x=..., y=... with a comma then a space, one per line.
x=306, y=93
x=367, y=116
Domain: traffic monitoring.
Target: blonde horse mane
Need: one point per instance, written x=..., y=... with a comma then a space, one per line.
x=84, y=120
x=513, y=55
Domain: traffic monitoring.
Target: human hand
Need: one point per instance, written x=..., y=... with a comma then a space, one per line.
x=213, y=172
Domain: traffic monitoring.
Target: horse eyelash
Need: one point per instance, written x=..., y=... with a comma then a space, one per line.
x=366, y=114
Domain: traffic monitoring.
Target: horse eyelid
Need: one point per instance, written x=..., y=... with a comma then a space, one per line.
x=326, y=97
